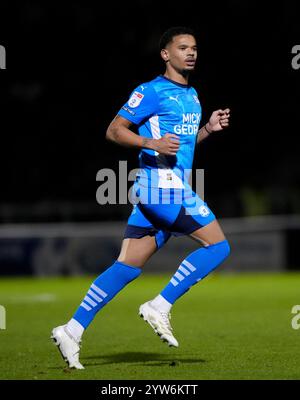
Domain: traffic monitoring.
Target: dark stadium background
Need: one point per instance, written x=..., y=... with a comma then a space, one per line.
x=70, y=67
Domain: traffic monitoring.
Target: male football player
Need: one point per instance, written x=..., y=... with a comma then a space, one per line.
x=167, y=113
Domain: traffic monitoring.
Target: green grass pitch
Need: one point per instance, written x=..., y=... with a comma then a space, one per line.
x=228, y=327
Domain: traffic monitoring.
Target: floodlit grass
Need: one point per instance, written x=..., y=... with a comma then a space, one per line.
x=228, y=327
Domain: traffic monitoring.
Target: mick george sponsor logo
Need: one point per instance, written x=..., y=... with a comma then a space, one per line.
x=190, y=124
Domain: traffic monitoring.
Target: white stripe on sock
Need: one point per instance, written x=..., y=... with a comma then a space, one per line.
x=188, y=265
x=174, y=283
x=94, y=296
x=185, y=271
x=179, y=276
x=98, y=290
x=85, y=306
x=90, y=301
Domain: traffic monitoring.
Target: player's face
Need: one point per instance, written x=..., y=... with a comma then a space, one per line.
x=181, y=53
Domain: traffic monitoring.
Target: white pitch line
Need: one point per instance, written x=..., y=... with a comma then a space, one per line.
x=37, y=298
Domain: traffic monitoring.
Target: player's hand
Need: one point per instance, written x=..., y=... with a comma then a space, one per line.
x=219, y=120
x=168, y=144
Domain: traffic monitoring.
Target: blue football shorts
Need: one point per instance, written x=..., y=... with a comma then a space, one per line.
x=164, y=220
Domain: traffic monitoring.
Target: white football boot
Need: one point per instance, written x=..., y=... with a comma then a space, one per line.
x=67, y=345
x=159, y=321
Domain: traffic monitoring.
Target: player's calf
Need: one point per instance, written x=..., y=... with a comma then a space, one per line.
x=194, y=268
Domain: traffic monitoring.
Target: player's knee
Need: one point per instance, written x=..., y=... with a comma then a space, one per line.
x=126, y=272
x=222, y=248
x=133, y=261
x=227, y=248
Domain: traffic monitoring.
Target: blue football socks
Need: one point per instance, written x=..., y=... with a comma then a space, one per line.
x=194, y=268
x=103, y=289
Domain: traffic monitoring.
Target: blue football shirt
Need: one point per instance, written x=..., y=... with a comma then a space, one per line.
x=158, y=107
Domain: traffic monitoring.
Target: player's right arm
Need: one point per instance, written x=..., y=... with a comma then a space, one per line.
x=119, y=132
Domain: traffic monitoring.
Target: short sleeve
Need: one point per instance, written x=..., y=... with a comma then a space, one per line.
x=142, y=103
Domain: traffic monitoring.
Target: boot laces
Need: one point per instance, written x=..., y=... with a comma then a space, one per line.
x=166, y=319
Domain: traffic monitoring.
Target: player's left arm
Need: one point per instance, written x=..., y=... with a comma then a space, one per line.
x=218, y=121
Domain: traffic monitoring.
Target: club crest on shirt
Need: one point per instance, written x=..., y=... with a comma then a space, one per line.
x=135, y=99
x=196, y=99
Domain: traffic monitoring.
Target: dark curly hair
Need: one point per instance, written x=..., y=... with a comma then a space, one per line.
x=169, y=34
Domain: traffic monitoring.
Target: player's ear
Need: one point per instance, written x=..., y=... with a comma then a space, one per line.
x=164, y=55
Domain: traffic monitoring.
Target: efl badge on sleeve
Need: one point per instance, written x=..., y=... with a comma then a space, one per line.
x=135, y=99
